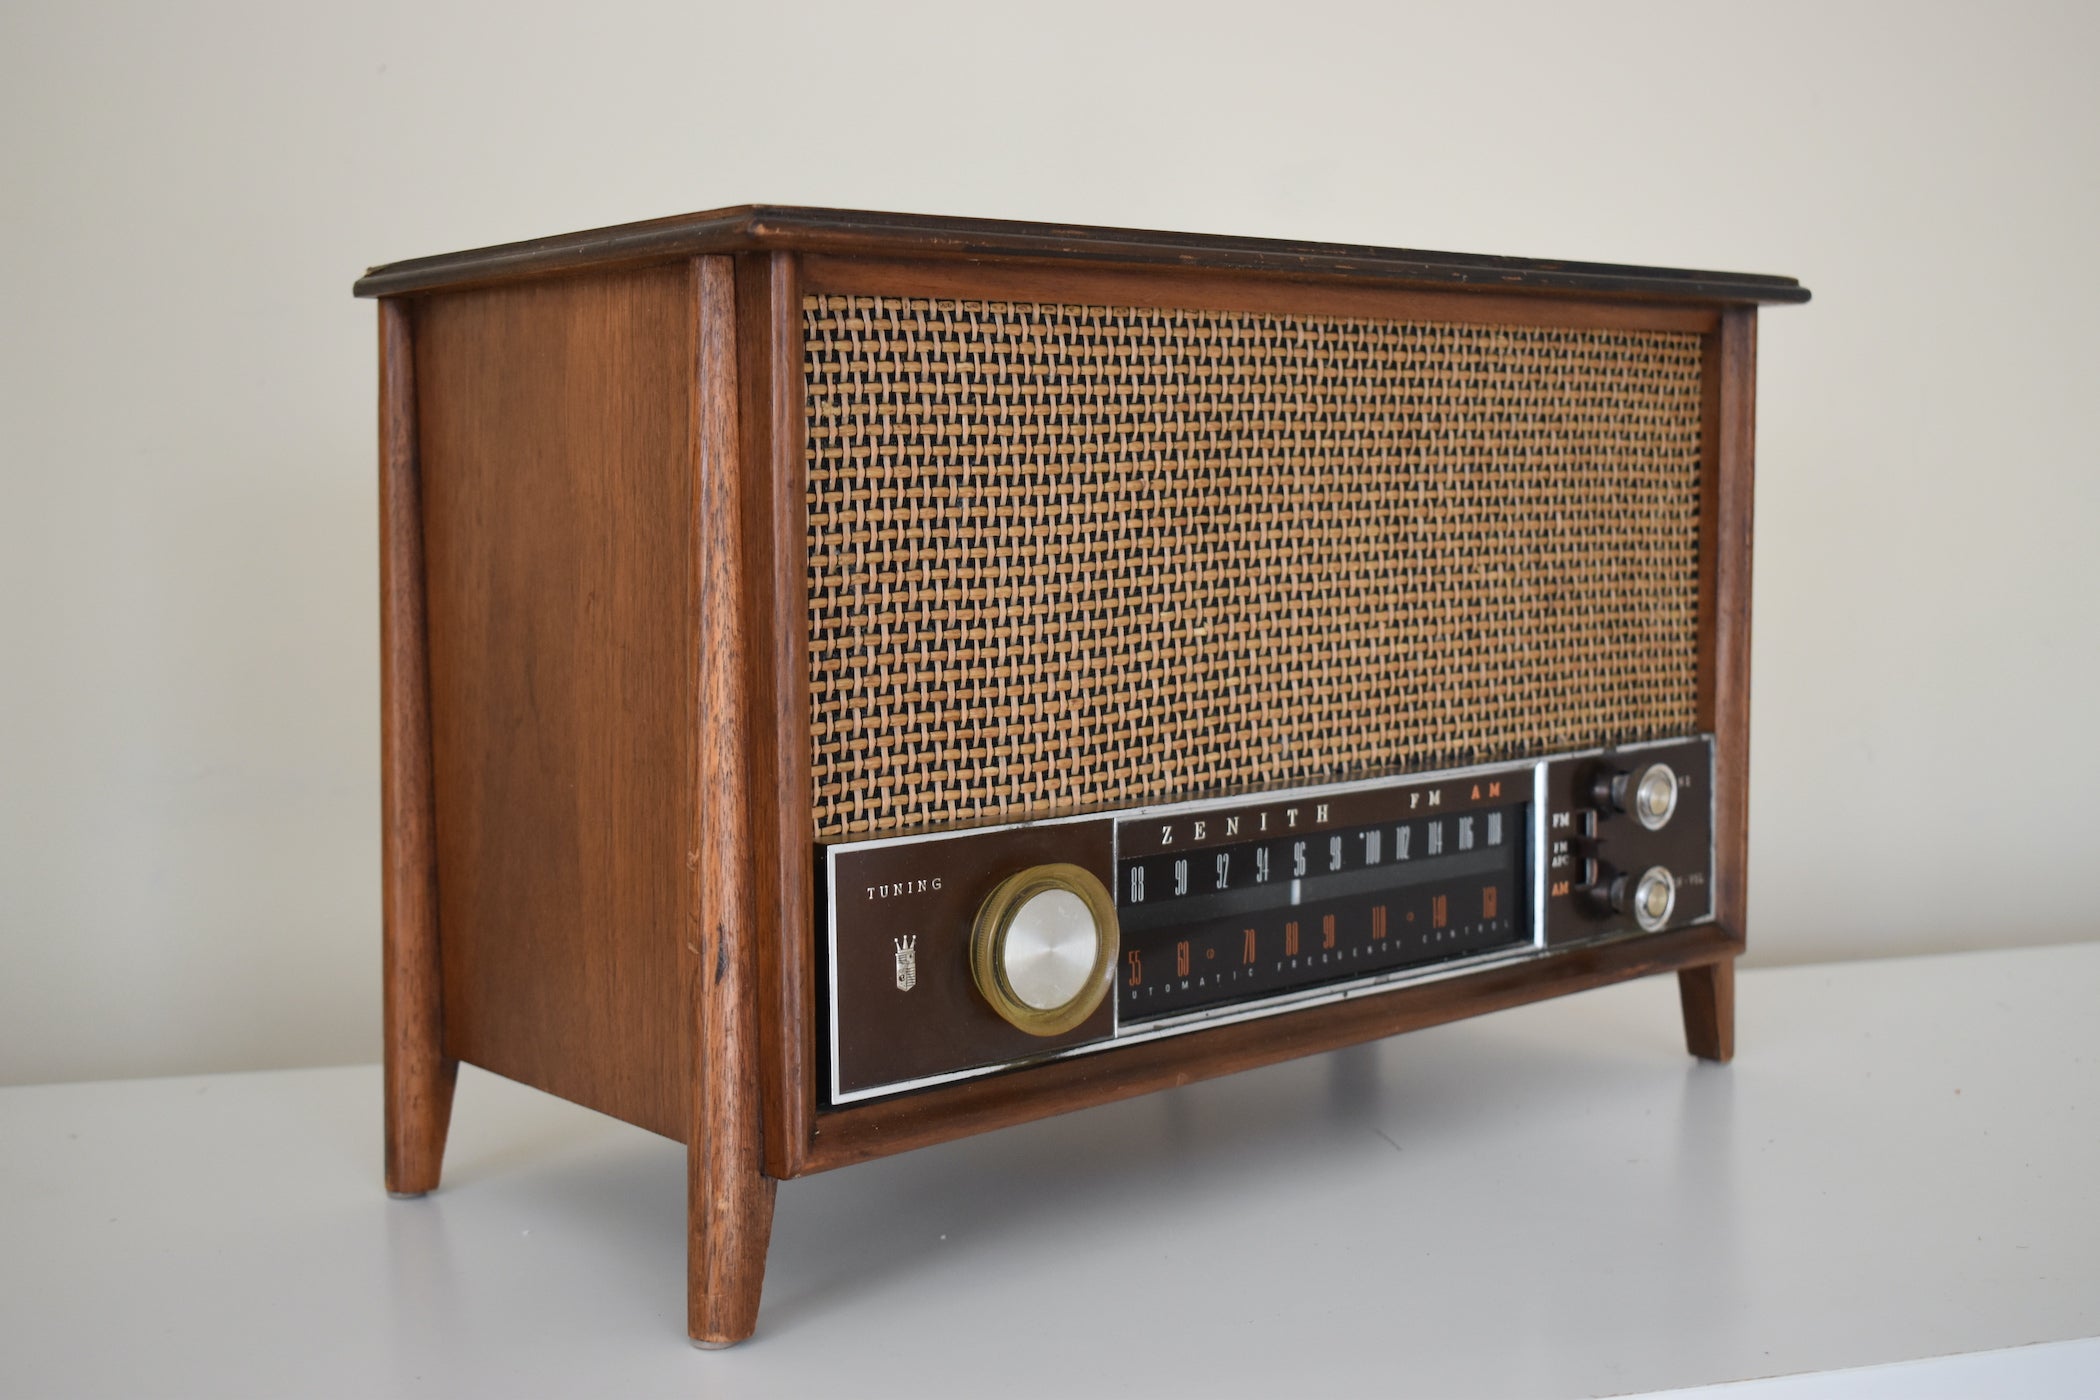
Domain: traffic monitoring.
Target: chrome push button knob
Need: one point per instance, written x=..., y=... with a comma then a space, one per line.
x=1649, y=793
x=1654, y=898
x=1655, y=796
x=1651, y=897
x=1043, y=948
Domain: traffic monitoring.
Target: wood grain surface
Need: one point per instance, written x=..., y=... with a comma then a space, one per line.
x=770, y=398
x=595, y=675
x=1068, y=284
x=864, y=233
x=1708, y=995
x=557, y=496
x=419, y=1075
x=1735, y=436
x=615, y=519
x=730, y=1216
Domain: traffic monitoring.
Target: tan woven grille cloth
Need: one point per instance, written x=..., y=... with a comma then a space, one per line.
x=1065, y=558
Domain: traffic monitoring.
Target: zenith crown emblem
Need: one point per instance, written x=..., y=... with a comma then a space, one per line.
x=907, y=962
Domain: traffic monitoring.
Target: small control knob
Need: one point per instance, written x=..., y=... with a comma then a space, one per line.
x=1651, y=896
x=1043, y=948
x=1654, y=898
x=1649, y=793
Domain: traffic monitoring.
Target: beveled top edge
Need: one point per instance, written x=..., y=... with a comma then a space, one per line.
x=752, y=227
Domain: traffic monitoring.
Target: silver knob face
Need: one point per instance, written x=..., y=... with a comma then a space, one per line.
x=1655, y=796
x=1654, y=899
x=1043, y=948
x=1049, y=949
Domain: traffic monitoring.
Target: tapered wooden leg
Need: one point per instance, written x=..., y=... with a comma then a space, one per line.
x=418, y=1077
x=729, y=1216
x=1708, y=994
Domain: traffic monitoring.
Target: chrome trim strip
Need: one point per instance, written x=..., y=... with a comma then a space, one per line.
x=831, y=963
x=1713, y=829
x=1538, y=856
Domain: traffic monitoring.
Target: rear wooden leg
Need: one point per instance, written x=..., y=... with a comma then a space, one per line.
x=418, y=1077
x=418, y=1115
x=1708, y=994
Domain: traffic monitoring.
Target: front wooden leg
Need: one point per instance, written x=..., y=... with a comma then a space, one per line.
x=1708, y=994
x=729, y=1215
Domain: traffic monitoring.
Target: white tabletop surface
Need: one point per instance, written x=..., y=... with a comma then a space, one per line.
x=1550, y=1201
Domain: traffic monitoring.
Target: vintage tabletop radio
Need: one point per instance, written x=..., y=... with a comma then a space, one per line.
x=853, y=680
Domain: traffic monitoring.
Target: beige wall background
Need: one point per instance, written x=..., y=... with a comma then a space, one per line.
x=188, y=673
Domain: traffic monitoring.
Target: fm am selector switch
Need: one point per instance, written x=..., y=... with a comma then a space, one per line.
x=1043, y=948
x=1649, y=793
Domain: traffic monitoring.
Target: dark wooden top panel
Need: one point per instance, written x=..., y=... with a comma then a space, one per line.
x=842, y=231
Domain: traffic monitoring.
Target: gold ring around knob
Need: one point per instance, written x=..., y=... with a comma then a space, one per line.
x=988, y=942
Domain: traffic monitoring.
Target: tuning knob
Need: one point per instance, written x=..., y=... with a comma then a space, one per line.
x=1649, y=793
x=1043, y=948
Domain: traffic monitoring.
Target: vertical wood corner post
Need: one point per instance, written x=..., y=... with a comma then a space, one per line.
x=1707, y=991
x=418, y=1076
x=730, y=1199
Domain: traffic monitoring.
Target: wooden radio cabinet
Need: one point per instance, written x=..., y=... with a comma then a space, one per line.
x=854, y=680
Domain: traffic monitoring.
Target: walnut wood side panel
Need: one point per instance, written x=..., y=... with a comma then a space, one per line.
x=419, y=1075
x=557, y=499
x=730, y=1199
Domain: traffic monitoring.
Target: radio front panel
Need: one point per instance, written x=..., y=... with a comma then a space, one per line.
x=961, y=953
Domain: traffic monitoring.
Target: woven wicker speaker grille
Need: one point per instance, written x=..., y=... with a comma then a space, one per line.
x=1064, y=558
